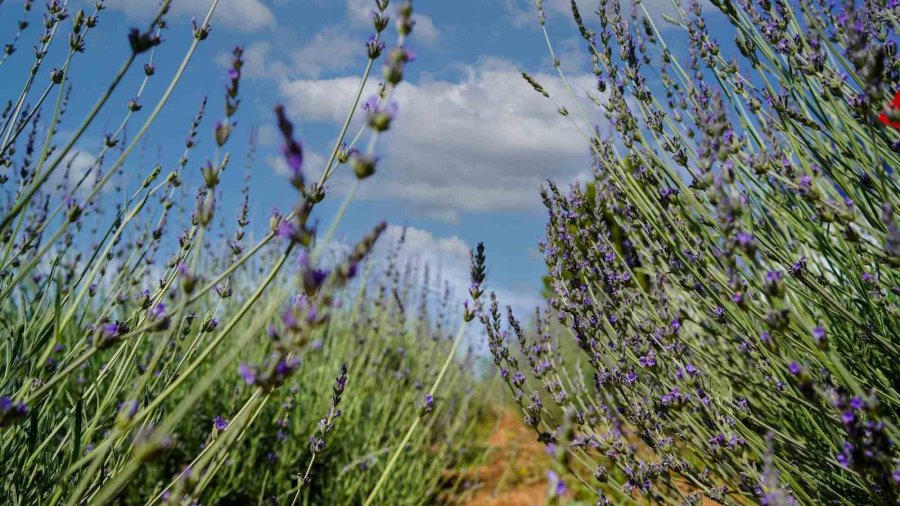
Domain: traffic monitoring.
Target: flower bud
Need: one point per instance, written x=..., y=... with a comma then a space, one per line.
x=73, y=210
x=379, y=21
x=363, y=165
x=374, y=47
x=188, y=279
x=223, y=130
x=427, y=406
x=152, y=177
x=210, y=175
x=201, y=32
x=142, y=42
x=206, y=209
x=78, y=21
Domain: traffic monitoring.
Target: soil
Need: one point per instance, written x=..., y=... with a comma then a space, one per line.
x=515, y=471
x=514, y=474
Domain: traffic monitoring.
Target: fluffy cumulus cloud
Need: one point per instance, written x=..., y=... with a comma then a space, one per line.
x=333, y=48
x=245, y=15
x=330, y=50
x=447, y=259
x=77, y=165
x=485, y=142
x=446, y=256
x=322, y=99
x=359, y=12
x=425, y=32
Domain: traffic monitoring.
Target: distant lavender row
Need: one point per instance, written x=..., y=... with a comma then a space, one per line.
x=727, y=287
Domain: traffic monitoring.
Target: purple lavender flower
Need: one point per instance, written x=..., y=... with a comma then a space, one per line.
x=109, y=334
x=648, y=360
x=374, y=47
x=820, y=336
x=220, y=423
x=11, y=411
x=312, y=277
x=557, y=485
x=128, y=409
x=248, y=373
x=293, y=152
x=379, y=116
x=286, y=366
x=157, y=312
x=286, y=230
x=799, y=267
x=744, y=239
x=427, y=405
x=719, y=312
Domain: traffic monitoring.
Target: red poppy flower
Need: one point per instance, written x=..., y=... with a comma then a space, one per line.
x=890, y=116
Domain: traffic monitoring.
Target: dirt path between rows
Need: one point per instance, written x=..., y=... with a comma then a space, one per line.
x=514, y=474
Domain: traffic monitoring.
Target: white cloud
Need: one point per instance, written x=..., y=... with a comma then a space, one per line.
x=333, y=48
x=322, y=99
x=258, y=62
x=573, y=57
x=425, y=31
x=447, y=259
x=447, y=255
x=484, y=143
x=267, y=135
x=245, y=15
x=359, y=13
x=77, y=165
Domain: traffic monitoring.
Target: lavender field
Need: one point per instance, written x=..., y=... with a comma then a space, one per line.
x=484, y=252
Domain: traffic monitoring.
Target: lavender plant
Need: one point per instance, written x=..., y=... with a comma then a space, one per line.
x=154, y=353
x=730, y=276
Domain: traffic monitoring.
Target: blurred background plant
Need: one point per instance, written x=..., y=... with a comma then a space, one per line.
x=156, y=353
x=729, y=278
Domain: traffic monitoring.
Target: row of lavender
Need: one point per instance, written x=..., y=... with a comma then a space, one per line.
x=148, y=370
x=730, y=279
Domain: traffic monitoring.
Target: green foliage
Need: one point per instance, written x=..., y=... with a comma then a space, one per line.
x=731, y=275
x=390, y=352
x=149, y=356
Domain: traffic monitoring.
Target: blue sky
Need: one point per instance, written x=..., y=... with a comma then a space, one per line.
x=462, y=163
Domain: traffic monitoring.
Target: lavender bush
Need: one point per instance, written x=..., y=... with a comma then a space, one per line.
x=155, y=353
x=730, y=276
